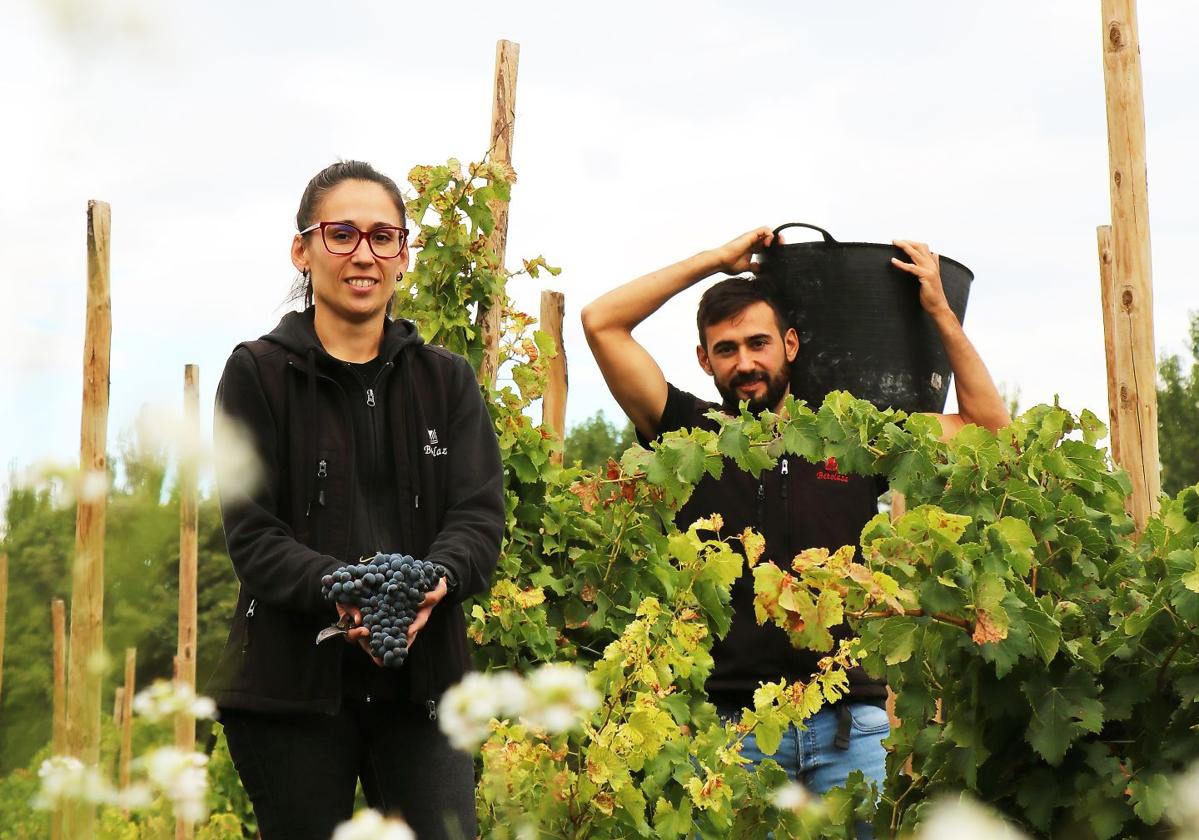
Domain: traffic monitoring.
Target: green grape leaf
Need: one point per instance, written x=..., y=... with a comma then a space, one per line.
x=897, y=638
x=1019, y=540
x=1063, y=708
x=1150, y=796
x=1045, y=632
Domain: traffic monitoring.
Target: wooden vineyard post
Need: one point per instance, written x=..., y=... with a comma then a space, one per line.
x=1103, y=236
x=1131, y=285
x=58, y=719
x=127, y=717
x=503, y=118
x=87, y=592
x=553, y=404
x=185, y=658
x=58, y=629
x=3, y=615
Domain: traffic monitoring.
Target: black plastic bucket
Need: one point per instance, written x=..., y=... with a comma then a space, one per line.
x=860, y=324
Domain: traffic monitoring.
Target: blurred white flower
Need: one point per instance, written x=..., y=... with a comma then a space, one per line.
x=953, y=819
x=560, y=697
x=134, y=797
x=99, y=662
x=66, y=779
x=555, y=698
x=233, y=457
x=1184, y=804
x=792, y=797
x=164, y=699
x=65, y=481
x=371, y=825
x=180, y=776
x=203, y=708
x=92, y=485
x=467, y=709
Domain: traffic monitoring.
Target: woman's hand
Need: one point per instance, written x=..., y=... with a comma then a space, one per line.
x=736, y=256
x=926, y=266
x=358, y=633
x=432, y=599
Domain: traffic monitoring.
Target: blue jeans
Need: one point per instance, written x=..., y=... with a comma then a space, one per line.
x=810, y=756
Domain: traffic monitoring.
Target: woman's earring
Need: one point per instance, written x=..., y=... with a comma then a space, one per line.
x=399, y=276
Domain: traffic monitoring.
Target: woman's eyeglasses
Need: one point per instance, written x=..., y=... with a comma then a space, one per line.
x=341, y=239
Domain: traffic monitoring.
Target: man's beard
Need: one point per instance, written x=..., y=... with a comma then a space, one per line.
x=776, y=387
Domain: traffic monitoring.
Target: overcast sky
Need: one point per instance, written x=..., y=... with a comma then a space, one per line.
x=645, y=132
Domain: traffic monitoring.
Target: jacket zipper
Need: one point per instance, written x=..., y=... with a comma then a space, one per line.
x=322, y=472
x=245, y=644
x=373, y=455
x=784, y=483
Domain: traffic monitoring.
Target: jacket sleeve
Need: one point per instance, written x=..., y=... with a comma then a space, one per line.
x=468, y=543
x=270, y=562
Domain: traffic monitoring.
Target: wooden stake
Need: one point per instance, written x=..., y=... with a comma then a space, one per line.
x=185, y=658
x=58, y=626
x=1132, y=272
x=553, y=404
x=58, y=719
x=1103, y=236
x=3, y=614
x=87, y=593
x=503, y=118
x=127, y=716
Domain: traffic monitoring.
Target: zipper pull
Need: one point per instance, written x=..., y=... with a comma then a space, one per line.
x=322, y=471
x=416, y=502
x=250, y=609
x=432, y=707
x=370, y=397
x=784, y=469
x=761, y=491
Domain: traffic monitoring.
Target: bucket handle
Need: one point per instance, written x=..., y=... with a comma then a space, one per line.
x=828, y=237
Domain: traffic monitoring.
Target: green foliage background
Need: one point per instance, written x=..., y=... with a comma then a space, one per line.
x=1178, y=415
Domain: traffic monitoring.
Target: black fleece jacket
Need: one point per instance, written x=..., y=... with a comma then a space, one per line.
x=316, y=508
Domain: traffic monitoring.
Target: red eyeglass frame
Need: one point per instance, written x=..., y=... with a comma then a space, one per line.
x=362, y=234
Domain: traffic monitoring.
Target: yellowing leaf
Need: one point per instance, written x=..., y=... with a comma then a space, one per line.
x=754, y=544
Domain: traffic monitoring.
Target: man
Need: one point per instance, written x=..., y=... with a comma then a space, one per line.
x=746, y=347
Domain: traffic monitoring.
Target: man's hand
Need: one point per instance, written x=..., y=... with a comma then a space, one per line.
x=979, y=401
x=926, y=266
x=432, y=599
x=736, y=257
x=358, y=633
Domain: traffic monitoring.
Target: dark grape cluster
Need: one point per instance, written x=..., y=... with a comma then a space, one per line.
x=388, y=589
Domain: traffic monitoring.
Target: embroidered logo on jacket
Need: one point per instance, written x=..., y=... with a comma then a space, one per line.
x=829, y=473
x=431, y=448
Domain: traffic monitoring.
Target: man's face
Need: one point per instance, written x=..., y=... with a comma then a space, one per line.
x=748, y=359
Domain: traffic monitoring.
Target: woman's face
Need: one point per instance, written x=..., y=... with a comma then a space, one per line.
x=355, y=287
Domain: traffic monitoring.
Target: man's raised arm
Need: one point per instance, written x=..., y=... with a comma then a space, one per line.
x=979, y=401
x=633, y=376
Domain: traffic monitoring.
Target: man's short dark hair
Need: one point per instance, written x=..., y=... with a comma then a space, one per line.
x=734, y=295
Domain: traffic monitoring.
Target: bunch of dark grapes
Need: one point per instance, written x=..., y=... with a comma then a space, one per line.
x=388, y=589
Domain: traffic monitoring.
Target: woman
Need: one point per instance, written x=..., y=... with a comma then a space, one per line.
x=369, y=440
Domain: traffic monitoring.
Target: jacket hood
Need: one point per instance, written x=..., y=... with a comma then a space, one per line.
x=296, y=332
